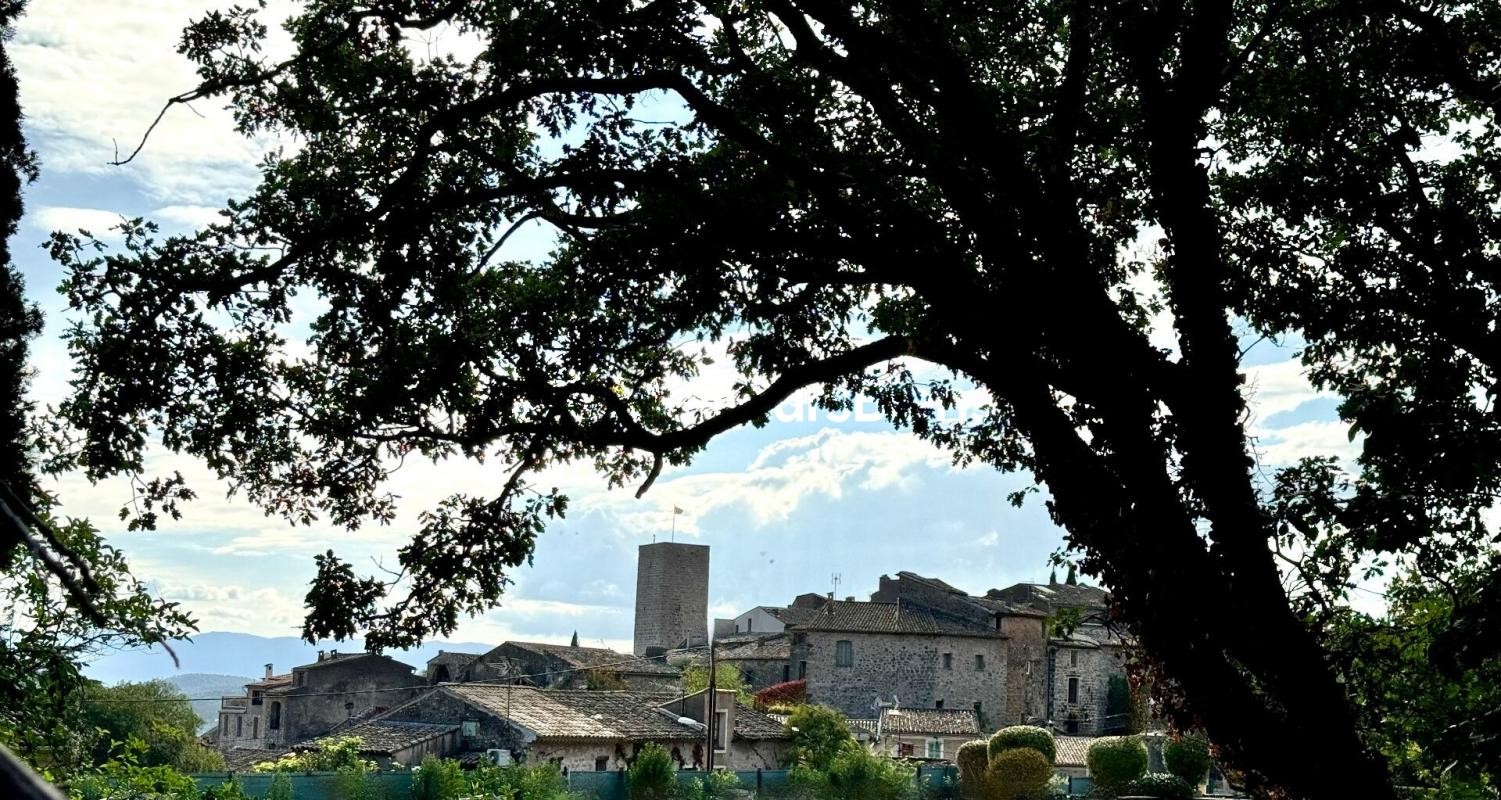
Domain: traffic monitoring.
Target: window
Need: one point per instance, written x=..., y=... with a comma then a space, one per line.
x=255, y=727
x=935, y=748
x=721, y=730
x=802, y=670
x=301, y=678
x=1073, y=690
x=750, y=625
x=602, y=764
x=469, y=728
x=1073, y=658
x=239, y=726
x=904, y=749
x=255, y=698
x=844, y=653
x=938, y=704
x=948, y=660
x=979, y=663
x=1072, y=726
x=980, y=712
x=786, y=672
x=224, y=728
x=275, y=722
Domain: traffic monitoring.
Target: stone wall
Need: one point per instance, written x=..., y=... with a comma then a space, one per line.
x=672, y=596
x=1026, y=673
x=332, y=693
x=760, y=673
x=1092, y=668
x=903, y=668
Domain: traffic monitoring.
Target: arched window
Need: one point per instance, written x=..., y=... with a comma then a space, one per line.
x=274, y=724
x=440, y=675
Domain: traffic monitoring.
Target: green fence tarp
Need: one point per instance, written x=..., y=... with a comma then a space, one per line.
x=310, y=786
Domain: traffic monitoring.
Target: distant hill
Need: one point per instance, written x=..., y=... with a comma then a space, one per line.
x=224, y=654
x=213, y=687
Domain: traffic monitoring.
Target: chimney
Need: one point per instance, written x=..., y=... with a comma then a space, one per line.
x=322, y=655
x=268, y=672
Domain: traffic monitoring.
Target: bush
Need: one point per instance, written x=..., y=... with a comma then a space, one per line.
x=857, y=774
x=352, y=782
x=790, y=693
x=1161, y=785
x=974, y=759
x=438, y=779
x=281, y=787
x=818, y=735
x=1020, y=772
x=652, y=777
x=1115, y=761
x=542, y=781
x=1188, y=758
x=716, y=785
x=1024, y=736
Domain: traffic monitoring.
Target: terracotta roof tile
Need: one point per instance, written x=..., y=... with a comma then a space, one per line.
x=1071, y=750
x=384, y=737
x=933, y=721
x=865, y=617
x=575, y=713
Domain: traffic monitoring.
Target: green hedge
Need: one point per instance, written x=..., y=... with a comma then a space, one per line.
x=1024, y=736
x=1161, y=785
x=1188, y=758
x=1115, y=761
x=974, y=759
x=1020, y=772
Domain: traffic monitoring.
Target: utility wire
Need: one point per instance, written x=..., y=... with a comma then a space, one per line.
x=505, y=681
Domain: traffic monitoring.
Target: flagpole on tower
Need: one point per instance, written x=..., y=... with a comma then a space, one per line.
x=675, y=512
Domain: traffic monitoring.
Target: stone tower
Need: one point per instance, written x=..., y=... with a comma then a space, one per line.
x=672, y=596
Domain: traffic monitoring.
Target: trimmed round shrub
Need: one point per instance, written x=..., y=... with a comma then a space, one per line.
x=1024, y=736
x=1188, y=758
x=1115, y=761
x=974, y=759
x=1020, y=773
x=1161, y=785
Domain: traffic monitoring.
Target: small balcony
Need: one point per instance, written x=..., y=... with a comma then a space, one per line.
x=234, y=703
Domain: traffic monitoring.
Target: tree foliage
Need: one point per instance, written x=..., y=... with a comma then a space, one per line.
x=652, y=775
x=1115, y=761
x=1187, y=756
x=893, y=201
x=818, y=734
x=157, y=713
x=695, y=678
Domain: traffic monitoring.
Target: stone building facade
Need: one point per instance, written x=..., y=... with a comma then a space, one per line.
x=672, y=597
x=593, y=730
x=1081, y=670
x=313, y=699
x=857, y=656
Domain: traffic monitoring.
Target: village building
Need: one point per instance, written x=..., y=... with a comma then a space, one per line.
x=313, y=699
x=860, y=656
x=555, y=666
x=761, y=660
x=578, y=729
x=927, y=733
x=448, y=665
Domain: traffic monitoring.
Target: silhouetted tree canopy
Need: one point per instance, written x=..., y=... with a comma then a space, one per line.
x=837, y=191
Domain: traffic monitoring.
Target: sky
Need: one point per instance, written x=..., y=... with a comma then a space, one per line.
x=808, y=503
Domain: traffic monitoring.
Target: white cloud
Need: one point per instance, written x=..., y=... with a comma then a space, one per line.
x=1278, y=387
x=782, y=476
x=70, y=220
x=94, y=75
x=1315, y=438
x=190, y=216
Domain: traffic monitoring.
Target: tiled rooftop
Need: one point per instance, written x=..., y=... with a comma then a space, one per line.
x=865, y=617
x=932, y=721
x=1071, y=750
x=594, y=657
x=384, y=737
x=576, y=714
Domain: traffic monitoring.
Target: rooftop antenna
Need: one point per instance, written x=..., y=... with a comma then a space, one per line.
x=835, y=577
